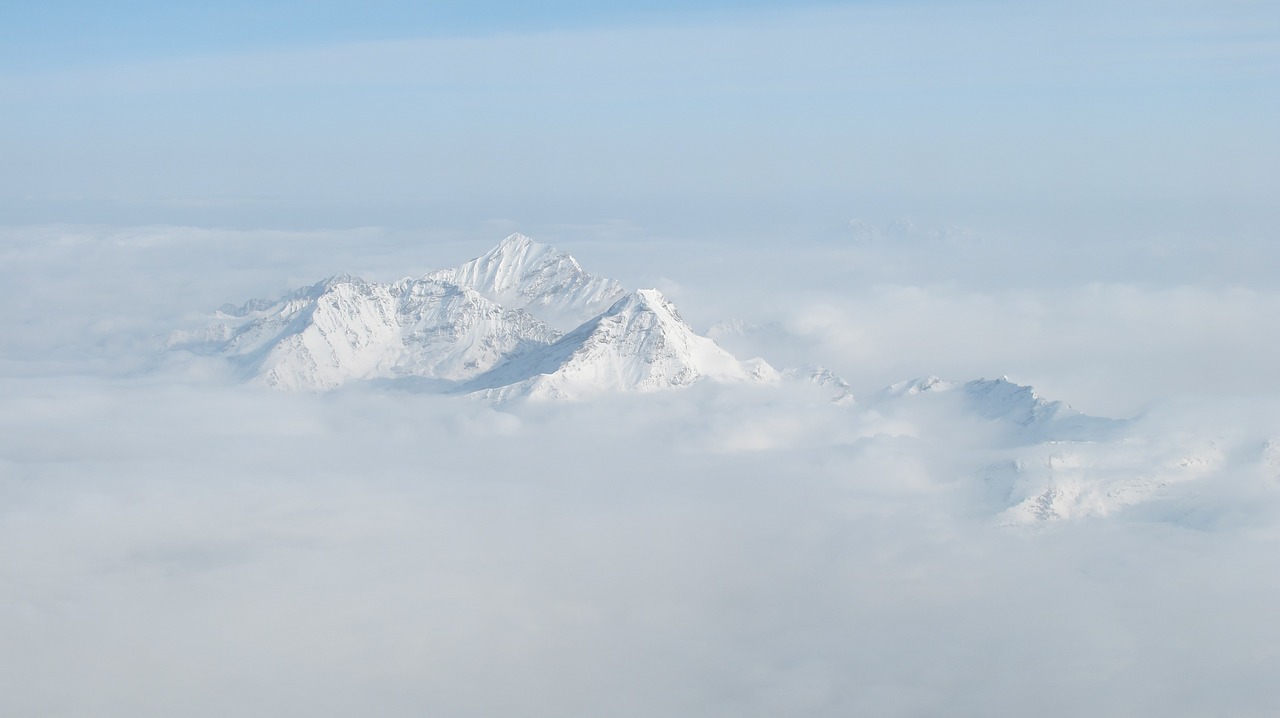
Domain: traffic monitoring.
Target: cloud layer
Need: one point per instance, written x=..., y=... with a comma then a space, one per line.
x=213, y=550
x=178, y=543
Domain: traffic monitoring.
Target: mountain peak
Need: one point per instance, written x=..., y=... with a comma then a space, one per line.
x=820, y=376
x=1002, y=400
x=342, y=328
x=515, y=241
x=922, y=385
x=516, y=238
x=538, y=278
x=480, y=326
x=639, y=344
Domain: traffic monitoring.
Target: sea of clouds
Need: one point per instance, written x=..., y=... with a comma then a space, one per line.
x=177, y=543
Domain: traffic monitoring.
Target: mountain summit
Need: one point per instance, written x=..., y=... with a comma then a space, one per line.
x=343, y=328
x=520, y=273
x=485, y=326
x=640, y=344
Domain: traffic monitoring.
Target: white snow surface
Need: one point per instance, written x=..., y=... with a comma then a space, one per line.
x=447, y=331
x=1076, y=480
x=1049, y=461
x=345, y=328
x=547, y=282
x=640, y=344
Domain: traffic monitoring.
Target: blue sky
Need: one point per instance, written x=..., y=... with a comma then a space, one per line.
x=729, y=113
x=69, y=33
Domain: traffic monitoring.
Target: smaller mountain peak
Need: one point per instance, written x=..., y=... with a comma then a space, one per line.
x=923, y=385
x=1002, y=386
x=337, y=279
x=926, y=384
x=825, y=378
x=324, y=286
x=639, y=344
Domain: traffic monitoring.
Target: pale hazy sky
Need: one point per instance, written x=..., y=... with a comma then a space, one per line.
x=728, y=115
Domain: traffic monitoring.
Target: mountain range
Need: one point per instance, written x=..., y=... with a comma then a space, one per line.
x=525, y=322
x=522, y=320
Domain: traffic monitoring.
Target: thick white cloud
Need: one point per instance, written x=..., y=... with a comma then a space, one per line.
x=177, y=543
x=211, y=550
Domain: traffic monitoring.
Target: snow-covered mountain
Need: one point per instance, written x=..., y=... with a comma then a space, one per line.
x=472, y=328
x=1026, y=416
x=1047, y=460
x=345, y=328
x=486, y=329
x=520, y=273
x=1057, y=481
x=639, y=344
x=840, y=391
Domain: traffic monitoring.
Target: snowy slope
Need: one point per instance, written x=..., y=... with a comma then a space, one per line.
x=1052, y=462
x=1056, y=462
x=639, y=344
x=840, y=391
x=520, y=273
x=448, y=328
x=345, y=328
x=1063, y=481
x=914, y=387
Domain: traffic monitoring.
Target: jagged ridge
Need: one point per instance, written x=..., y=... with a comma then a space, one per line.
x=1031, y=417
x=548, y=283
x=344, y=328
x=443, y=327
x=639, y=344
